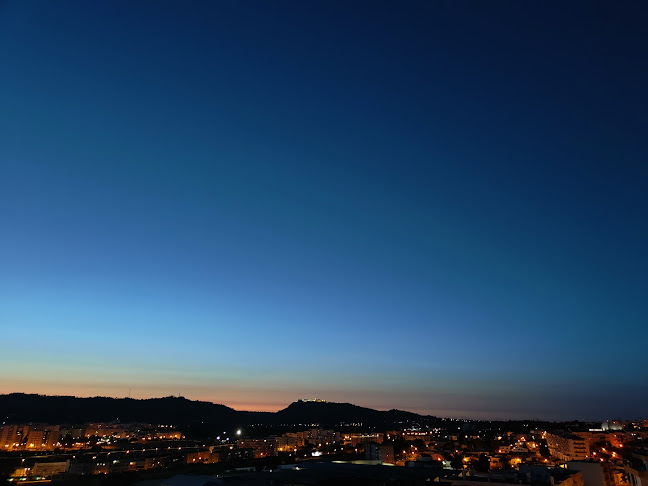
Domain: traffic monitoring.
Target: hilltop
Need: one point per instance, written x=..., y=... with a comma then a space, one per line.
x=21, y=408
x=199, y=418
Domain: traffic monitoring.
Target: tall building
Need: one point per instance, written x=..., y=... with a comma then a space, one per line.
x=36, y=437
x=568, y=447
x=42, y=437
x=9, y=437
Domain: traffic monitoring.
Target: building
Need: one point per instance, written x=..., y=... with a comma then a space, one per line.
x=261, y=447
x=595, y=473
x=49, y=469
x=204, y=457
x=319, y=437
x=43, y=437
x=289, y=442
x=230, y=454
x=380, y=452
x=612, y=425
x=614, y=439
x=637, y=469
x=568, y=447
x=9, y=437
x=533, y=475
x=73, y=432
x=32, y=437
x=355, y=439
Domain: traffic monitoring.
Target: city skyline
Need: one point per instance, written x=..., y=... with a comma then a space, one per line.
x=434, y=207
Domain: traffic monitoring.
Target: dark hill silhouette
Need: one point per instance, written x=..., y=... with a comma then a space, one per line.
x=206, y=419
x=20, y=407
x=330, y=414
x=189, y=414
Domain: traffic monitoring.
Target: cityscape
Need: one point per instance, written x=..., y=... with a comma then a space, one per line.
x=323, y=242
x=418, y=449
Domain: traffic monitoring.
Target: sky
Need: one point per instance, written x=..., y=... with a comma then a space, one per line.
x=439, y=207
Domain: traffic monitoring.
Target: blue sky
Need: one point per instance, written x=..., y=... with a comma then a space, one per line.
x=438, y=207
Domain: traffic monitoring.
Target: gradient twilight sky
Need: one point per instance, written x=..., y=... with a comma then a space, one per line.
x=434, y=206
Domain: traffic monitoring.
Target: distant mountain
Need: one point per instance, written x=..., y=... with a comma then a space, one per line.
x=305, y=412
x=191, y=415
x=20, y=407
